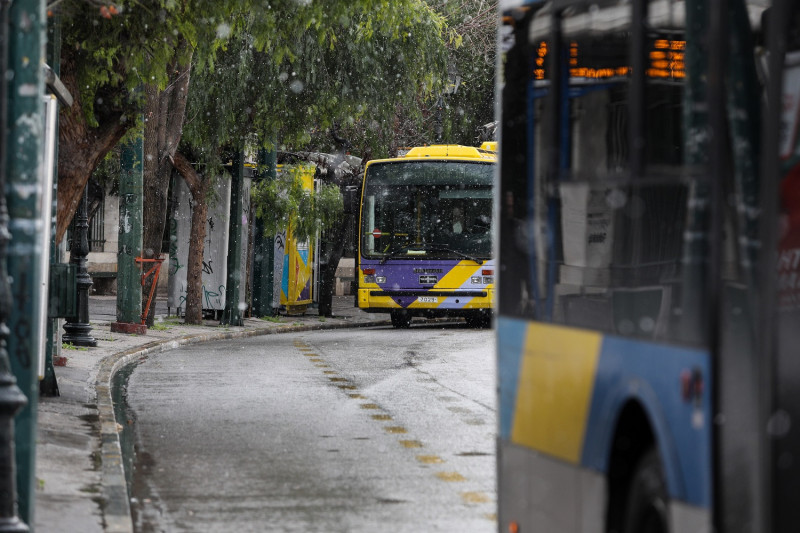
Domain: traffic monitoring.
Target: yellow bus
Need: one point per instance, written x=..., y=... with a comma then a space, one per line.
x=425, y=237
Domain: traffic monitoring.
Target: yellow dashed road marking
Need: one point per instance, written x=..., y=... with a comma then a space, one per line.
x=369, y=406
x=396, y=429
x=491, y=516
x=474, y=497
x=429, y=459
x=357, y=396
x=347, y=387
x=411, y=443
x=381, y=417
x=450, y=476
x=338, y=379
x=330, y=372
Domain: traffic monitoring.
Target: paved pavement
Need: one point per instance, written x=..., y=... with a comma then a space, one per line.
x=80, y=478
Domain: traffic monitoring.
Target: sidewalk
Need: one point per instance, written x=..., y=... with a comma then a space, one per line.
x=80, y=479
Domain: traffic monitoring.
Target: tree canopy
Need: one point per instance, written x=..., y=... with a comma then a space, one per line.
x=289, y=78
x=280, y=70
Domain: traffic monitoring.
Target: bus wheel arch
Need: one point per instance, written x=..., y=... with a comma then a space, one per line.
x=632, y=447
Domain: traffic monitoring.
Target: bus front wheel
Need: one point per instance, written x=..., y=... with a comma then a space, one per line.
x=401, y=319
x=479, y=319
x=646, y=511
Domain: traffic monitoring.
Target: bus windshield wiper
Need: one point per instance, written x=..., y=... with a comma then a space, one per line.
x=391, y=253
x=445, y=248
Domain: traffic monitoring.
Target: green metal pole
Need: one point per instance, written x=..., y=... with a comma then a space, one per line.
x=264, y=246
x=27, y=25
x=232, y=315
x=129, y=285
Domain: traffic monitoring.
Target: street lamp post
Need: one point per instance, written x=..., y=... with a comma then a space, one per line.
x=77, y=328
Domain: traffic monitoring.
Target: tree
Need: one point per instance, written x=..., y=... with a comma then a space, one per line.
x=108, y=55
x=199, y=188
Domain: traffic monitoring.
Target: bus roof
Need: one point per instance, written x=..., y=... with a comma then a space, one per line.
x=486, y=152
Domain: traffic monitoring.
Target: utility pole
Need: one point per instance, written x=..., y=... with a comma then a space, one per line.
x=264, y=246
x=232, y=314
x=129, y=286
x=23, y=146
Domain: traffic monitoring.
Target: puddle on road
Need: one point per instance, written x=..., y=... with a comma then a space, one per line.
x=143, y=508
x=126, y=419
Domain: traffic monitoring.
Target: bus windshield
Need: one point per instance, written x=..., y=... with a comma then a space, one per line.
x=427, y=209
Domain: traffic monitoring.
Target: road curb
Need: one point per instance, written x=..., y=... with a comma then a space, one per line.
x=117, y=512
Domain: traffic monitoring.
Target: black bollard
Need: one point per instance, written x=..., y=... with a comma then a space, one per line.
x=11, y=397
x=77, y=328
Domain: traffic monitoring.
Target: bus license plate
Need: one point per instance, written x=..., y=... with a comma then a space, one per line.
x=427, y=299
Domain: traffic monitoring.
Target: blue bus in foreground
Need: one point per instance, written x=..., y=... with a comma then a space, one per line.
x=648, y=326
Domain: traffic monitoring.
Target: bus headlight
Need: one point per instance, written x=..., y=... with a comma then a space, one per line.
x=488, y=280
x=369, y=279
x=476, y=279
x=380, y=279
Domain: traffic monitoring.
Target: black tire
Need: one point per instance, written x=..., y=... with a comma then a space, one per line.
x=479, y=319
x=647, y=508
x=401, y=319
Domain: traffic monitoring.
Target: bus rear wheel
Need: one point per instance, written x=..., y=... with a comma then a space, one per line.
x=646, y=511
x=401, y=319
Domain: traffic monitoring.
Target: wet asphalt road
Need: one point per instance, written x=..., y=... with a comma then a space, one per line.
x=350, y=430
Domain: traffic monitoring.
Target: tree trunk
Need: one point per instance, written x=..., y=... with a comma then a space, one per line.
x=198, y=187
x=194, y=262
x=164, y=115
x=80, y=147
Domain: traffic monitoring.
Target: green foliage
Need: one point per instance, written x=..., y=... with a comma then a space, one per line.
x=70, y=346
x=113, y=55
x=293, y=70
x=284, y=70
x=285, y=203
